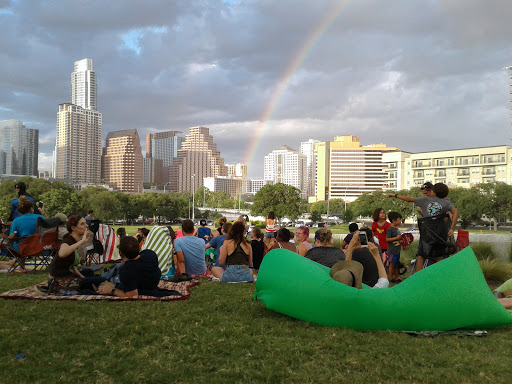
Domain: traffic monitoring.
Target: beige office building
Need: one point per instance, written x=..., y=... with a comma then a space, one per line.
x=122, y=161
x=78, y=144
x=346, y=169
x=198, y=158
x=456, y=168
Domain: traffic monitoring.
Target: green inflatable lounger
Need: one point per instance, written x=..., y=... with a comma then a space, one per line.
x=450, y=294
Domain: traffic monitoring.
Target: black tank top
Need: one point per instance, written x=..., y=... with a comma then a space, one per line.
x=238, y=257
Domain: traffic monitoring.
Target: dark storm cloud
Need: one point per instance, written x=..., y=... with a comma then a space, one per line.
x=416, y=75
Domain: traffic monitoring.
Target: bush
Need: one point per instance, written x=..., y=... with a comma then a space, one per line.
x=483, y=251
x=494, y=270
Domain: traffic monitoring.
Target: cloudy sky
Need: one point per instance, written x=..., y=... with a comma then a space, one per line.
x=418, y=75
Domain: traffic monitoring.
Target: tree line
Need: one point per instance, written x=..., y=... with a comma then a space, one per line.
x=492, y=200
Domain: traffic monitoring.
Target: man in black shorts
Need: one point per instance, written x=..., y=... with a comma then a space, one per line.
x=139, y=275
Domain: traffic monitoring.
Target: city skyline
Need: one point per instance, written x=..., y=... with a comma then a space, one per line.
x=419, y=77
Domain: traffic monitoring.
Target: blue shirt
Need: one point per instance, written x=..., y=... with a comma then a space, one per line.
x=24, y=225
x=193, y=252
x=216, y=243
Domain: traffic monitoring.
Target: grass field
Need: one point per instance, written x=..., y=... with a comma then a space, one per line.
x=220, y=335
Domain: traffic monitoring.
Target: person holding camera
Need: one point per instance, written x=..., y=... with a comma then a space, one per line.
x=357, y=267
x=21, y=189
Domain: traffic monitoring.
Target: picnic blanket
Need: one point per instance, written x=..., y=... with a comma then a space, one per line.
x=33, y=293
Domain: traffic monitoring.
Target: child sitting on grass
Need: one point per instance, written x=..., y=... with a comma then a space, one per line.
x=393, y=238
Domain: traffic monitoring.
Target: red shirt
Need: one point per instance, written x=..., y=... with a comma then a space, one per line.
x=381, y=234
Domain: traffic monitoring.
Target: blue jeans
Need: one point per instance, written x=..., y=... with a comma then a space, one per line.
x=237, y=274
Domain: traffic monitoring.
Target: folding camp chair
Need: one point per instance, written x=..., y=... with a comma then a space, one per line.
x=159, y=242
x=103, y=244
x=6, y=245
x=95, y=250
x=43, y=245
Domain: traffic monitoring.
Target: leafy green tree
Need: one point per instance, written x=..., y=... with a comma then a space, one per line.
x=61, y=200
x=498, y=202
x=105, y=205
x=315, y=216
x=283, y=199
x=367, y=203
x=470, y=203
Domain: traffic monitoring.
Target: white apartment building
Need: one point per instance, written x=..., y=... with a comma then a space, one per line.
x=286, y=165
x=456, y=168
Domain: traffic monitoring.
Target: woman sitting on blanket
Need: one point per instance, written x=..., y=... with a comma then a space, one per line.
x=236, y=253
x=67, y=260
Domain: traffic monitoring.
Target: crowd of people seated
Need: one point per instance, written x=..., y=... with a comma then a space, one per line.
x=363, y=257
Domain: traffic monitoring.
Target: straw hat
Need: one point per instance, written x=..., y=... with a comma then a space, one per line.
x=348, y=272
x=62, y=217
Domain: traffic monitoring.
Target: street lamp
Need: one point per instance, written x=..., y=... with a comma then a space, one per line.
x=166, y=185
x=193, y=196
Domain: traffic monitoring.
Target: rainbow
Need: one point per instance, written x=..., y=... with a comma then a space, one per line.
x=317, y=32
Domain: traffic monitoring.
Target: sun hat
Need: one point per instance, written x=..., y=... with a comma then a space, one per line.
x=348, y=272
x=62, y=217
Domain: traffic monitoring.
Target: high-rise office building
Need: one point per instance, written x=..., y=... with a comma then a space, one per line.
x=162, y=146
x=19, y=149
x=286, y=165
x=83, y=85
x=307, y=148
x=122, y=161
x=198, y=158
x=346, y=169
x=78, y=144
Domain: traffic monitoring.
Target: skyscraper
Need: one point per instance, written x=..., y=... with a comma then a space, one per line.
x=162, y=146
x=198, y=158
x=19, y=148
x=307, y=148
x=122, y=161
x=78, y=144
x=286, y=165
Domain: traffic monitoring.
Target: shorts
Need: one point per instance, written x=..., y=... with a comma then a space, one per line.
x=270, y=235
x=394, y=259
x=237, y=274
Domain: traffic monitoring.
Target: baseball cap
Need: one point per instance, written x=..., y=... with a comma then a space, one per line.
x=428, y=185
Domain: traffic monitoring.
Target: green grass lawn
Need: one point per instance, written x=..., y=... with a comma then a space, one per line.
x=221, y=335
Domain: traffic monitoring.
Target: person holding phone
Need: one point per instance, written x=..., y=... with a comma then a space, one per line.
x=357, y=268
x=323, y=252
x=364, y=256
